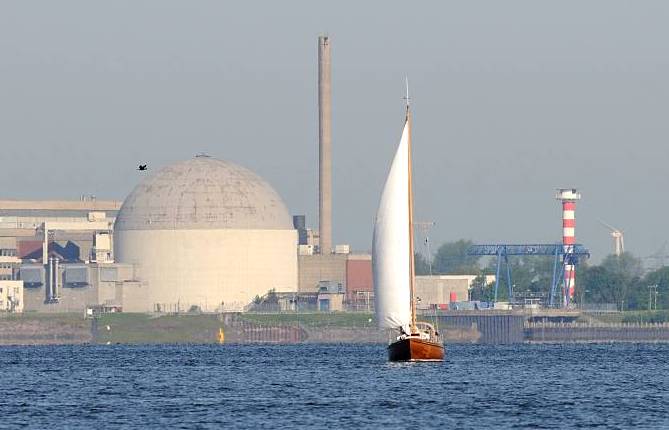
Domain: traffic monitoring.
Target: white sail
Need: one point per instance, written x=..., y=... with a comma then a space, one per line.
x=390, y=246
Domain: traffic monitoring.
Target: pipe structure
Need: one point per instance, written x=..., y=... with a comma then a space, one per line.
x=324, y=146
x=56, y=280
x=45, y=244
x=49, y=286
x=568, y=197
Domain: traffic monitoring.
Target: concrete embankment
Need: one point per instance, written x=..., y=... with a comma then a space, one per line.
x=579, y=332
x=492, y=328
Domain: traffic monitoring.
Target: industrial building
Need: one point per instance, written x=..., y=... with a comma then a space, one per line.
x=40, y=241
x=205, y=233
x=316, y=268
x=330, y=297
x=74, y=287
x=440, y=290
x=9, y=261
x=359, y=282
x=11, y=296
x=67, y=228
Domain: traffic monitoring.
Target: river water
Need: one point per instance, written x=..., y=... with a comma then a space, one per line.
x=334, y=386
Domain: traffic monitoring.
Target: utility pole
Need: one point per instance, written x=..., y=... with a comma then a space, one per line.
x=652, y=294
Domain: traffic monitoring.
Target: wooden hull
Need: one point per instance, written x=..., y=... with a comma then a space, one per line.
x=414, y=349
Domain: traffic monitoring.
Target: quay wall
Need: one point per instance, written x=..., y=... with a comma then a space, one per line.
x=493, y=328
x=579, y=332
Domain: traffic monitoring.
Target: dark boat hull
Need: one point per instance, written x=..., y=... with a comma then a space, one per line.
x=414, y=349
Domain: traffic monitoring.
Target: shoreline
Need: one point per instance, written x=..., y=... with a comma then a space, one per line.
x=73, y=329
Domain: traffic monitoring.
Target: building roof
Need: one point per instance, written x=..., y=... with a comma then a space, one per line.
x=60, y=205
x=203, y=193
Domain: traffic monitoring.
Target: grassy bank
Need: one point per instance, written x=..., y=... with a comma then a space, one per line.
x=646, y=316
x=314, y=320
x=41, y=329
x=631, y=317
x=144, y=328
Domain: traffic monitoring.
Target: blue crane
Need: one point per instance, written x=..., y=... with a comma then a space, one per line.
x=569, y=255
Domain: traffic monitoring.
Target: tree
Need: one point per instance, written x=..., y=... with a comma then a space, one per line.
x=626, y=270
x=618, y=279
x=452, y=259
x=482, y=291
x=600, y=284
x=421, y=265
x=271, y=297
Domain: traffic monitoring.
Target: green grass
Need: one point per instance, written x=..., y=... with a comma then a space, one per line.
x=632, y=317
x=611, y=318
x=143, y=328
x=646, y=316
x=335, y=319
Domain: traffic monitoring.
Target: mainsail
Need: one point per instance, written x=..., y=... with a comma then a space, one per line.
x=390, y=246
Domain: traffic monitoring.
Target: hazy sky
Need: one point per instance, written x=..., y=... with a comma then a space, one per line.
x=511, y=100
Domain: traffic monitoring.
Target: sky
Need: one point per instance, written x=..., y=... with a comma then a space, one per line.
x=511, y=100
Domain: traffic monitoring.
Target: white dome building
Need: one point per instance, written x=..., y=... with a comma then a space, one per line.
x=207, y=233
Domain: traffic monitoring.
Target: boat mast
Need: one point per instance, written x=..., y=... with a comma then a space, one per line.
x=410, y=193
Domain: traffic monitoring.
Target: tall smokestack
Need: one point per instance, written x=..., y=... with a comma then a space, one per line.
x=324, y=146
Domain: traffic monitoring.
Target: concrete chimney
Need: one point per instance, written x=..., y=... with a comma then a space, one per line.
x=324, y=146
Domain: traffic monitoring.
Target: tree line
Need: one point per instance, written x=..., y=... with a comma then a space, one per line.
x=619, y=280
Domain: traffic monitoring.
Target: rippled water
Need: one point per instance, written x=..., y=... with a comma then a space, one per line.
x=335, y=386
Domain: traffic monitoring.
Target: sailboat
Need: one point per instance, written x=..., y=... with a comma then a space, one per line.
x=393, y=263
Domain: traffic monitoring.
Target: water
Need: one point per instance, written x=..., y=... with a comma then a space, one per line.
x=334, y=386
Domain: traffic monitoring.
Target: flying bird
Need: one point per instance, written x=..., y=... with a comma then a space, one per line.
x=142, y=167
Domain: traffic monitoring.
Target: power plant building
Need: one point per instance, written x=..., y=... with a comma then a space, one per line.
x=205, y=233
x=313, y=269
x=41, y=240
x=76, y=230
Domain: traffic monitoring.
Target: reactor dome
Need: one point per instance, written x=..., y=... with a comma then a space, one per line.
x=206, y=233
x=203, y=193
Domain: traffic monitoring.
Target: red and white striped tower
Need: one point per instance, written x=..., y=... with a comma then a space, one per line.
x=568, y=197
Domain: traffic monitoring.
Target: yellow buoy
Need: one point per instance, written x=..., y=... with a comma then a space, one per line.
x=221, y=335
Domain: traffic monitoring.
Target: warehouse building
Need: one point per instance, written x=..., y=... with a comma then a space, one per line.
x=437, y=291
